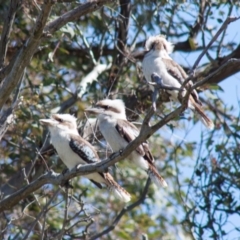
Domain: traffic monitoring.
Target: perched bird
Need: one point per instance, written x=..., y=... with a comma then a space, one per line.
x=119, y=132
x=74, y=150
x=157, y=61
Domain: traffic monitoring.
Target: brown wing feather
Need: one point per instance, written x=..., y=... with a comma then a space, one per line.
x=85, y=151
x=176, y=71
x=129, y=132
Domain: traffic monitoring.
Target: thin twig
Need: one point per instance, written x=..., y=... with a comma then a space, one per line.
x=216, y=110
x=224, y=32
x=123, y=211
x=7, y=28
x=7, y=116
x=55, y=49
x=170, y=21
x=65, y=219
x=32, y=217
x=40, y=214
x=73, y=15
x=25, y=55
x=93, y=130
x=43, y=235
x=200, y=18
x=40, y=154
x=90, y=222
x=85, y=41
x=224, y=25
x=191, y=75
x=51, y=177
x=27, y=181
x=211, y=75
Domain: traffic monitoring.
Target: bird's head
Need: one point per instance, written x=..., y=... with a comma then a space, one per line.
x=60, y=122
x=114, y=108
x=158, y=43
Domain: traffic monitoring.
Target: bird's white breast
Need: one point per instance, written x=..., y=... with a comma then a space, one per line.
x=107, y=127
x=117, y=142
x=152, y=63
x=60, y=141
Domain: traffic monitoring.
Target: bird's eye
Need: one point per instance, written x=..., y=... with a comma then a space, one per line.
x=60, y=120
x=106, y=107
x=165, y=46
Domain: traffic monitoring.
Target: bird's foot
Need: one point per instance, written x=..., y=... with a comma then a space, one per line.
x=64, y=171
x=121, y=152
x=66, y=184
x=159, y=84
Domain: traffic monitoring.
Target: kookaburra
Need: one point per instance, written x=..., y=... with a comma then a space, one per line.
x=119, y=132
x=157, y=60
x=73, y=150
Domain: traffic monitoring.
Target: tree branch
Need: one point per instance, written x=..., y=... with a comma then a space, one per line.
x=51, y=177
x=224, y=26
x=74, y=15
x=6, y=117
x=7, y=27
x=44, y=210
x=229, y=63
x=190, y=77
x=16, y=180
x=55, y=25
x=82, y=87
x=92, y=76
x=198, y=24
x=123, y=211
x=25, y=55
x=120, y=48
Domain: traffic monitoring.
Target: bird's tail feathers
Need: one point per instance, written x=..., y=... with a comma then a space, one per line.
x=156, y=177
x=116, y=189
x=203, y=117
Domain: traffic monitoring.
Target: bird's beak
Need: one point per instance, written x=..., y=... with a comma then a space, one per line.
x=47, y=122
x=94, y=110
x=139, y=55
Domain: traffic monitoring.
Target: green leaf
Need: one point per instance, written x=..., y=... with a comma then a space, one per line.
x=215, y=87
x=68, y=29
x=50, y=56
